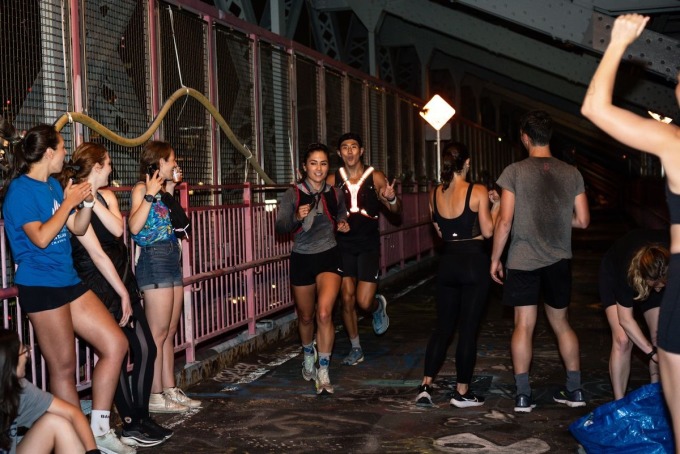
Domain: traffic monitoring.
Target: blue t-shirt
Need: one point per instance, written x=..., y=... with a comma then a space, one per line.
x=30, y=200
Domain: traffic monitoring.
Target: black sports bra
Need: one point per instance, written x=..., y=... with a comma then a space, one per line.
x=673, y=201
x=464, y=227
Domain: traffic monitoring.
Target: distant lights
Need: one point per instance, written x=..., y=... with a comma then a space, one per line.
x=659, y=117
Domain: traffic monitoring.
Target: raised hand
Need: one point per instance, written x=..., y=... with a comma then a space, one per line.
x=154, y=183
x=628, y=27
x=388, y=191
x=74, y=194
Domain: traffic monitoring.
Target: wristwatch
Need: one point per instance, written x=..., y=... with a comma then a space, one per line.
x=149, y=198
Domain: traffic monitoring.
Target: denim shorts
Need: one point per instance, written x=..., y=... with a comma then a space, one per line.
x=159, y=266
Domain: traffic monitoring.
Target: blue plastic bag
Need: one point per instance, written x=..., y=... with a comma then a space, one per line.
x=638, y=423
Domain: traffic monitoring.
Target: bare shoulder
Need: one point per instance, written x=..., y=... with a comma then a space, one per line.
x=379, y=178
x=109, y=196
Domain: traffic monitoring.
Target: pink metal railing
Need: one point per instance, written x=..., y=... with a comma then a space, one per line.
x=235, y=268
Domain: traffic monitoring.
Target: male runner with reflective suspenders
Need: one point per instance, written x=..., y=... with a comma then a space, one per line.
x=366, y=189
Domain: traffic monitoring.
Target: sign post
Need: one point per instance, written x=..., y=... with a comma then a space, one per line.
x=437, y=112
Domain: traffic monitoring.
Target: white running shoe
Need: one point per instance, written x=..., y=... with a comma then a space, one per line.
x=323, y=382
x=177, y=395
x=110, y=444
x=159, y=403
x=309, y=365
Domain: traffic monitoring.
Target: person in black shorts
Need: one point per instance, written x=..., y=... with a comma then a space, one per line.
x=366, y=191
x=312, y=210
x=39, y=219
x=543, y=198
x=633, y=274
x=661, y=140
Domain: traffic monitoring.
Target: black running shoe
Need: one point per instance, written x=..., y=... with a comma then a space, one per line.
x=424, y=398
x=570, y=398
x=524, y=404
x=469, y=399
x=137, y=434
x=156, y=428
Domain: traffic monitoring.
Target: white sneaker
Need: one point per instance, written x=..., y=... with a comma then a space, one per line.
x=177, y=395
x=309, y=365
x=158, y=403
x=110, y=444
x=323, y=382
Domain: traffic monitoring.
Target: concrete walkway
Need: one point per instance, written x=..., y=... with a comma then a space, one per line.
x=261, y=404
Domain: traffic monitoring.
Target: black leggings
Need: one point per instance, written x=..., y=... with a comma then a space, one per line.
x=462, y=289
x=132, y=396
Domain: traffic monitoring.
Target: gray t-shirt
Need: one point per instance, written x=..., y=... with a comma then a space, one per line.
x=33, y=403
x=545, y=189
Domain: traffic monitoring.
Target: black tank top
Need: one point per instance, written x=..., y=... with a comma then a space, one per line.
x=673, y=201
x=117, y=251
x=464, y=227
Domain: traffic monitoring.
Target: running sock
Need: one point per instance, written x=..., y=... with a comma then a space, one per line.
x=324, y=360
x=99, y=422
x=355, y=342
x=573, y=380
x=308, y=349
x=522, y=384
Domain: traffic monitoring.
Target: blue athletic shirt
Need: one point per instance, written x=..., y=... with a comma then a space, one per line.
x=30, y=200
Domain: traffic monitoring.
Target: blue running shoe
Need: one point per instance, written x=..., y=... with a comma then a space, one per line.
x=356, y=355
x=309, y=365
x=571, y=399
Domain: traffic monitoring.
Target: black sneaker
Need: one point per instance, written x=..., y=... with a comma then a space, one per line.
x=524, y=404
x=156, y=428
x=570, y=398
x=469, y=399
x=424, y=398
x=137, y=434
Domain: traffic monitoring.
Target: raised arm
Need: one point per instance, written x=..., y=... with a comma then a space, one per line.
x=140, y=208
x=42, y=233
x=110, y=217
x=386, y=192
x=628, y=128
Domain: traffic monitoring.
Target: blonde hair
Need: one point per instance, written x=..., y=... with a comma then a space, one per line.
x=650, y=263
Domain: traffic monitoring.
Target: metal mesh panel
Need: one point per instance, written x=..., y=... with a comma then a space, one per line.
x=357, y=108
x=308, y=119
x=34, y=67
x=117, y=82
x=376, y=152
x=392, y=129
x=420, y=167
x=278, y=152
x=405, y=159
x=335, y=106
x=187, y=125
x=235, y=101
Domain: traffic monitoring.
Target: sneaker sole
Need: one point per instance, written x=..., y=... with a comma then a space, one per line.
x=324, y=392
x=465, y=403
x=525, y=409
x=108, y=451
x=386, y=318
x=424, y=404
x=165, y=410
x=134, y=442
x=569, y=403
